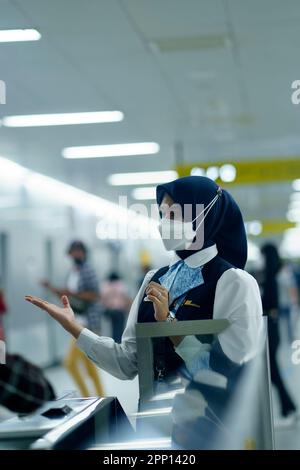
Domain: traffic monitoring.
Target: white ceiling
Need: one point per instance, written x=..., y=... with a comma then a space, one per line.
x=222, y=102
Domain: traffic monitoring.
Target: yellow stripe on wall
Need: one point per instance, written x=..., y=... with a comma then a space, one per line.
x=273, y=227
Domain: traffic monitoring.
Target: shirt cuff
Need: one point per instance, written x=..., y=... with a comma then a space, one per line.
x=86, y=341
x=189, y=347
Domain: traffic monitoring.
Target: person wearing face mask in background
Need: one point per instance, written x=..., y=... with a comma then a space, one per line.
x=82, y=288
x=205, y=280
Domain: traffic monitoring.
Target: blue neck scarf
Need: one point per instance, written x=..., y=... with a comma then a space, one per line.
x=186, y=279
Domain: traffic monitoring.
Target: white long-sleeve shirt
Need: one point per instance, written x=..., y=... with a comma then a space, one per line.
x=237, y=299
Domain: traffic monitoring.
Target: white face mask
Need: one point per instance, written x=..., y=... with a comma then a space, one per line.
x=179, y=235
x=176, y=234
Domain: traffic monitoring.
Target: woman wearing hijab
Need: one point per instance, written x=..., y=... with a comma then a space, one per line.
x=270, y=300
x=205, y=280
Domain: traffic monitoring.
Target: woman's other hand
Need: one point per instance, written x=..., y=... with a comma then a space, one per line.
x=159, y=295
x=63, y=315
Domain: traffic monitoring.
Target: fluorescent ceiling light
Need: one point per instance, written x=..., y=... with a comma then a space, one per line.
x=290, y=245
x=15, y=35
x=294, y=205
x=212, y=172
x=197, y=171
x=62, y=119
x=293, y=215
x=144, y=193
x=116, y=150
x=295, y=197
x=254, y=227
x=296, y=185
x=144, y=177
x=227, y=173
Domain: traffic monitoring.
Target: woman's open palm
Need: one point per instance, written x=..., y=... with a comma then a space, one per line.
x=64, y=315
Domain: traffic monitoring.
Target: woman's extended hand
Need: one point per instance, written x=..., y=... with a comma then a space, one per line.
x=160, y=298
x=63, y=315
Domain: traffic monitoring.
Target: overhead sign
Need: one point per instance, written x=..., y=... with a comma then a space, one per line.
x=268, y=227
x=246, y=172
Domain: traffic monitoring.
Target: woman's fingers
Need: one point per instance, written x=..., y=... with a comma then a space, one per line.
x=155, y=300
x=65, y=301
x=43, y=304
x=32, y=299
x=64, y=315
x=155, y=287
x=160, y=308
x=156, y=293
x=36, y=301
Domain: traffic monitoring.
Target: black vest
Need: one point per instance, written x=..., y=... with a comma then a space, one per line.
x=198, y=305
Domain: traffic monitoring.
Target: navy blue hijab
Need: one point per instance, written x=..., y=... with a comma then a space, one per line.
x=223, y=226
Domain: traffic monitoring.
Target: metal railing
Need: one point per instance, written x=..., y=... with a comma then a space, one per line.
x=260, y=436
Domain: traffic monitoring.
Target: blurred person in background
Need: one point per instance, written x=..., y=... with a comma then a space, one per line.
x=271, y=306
x=116, y=303
x=296, y=270
x=288, y=299
x=3, y=311
x=204, y=280
x=82, y=288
